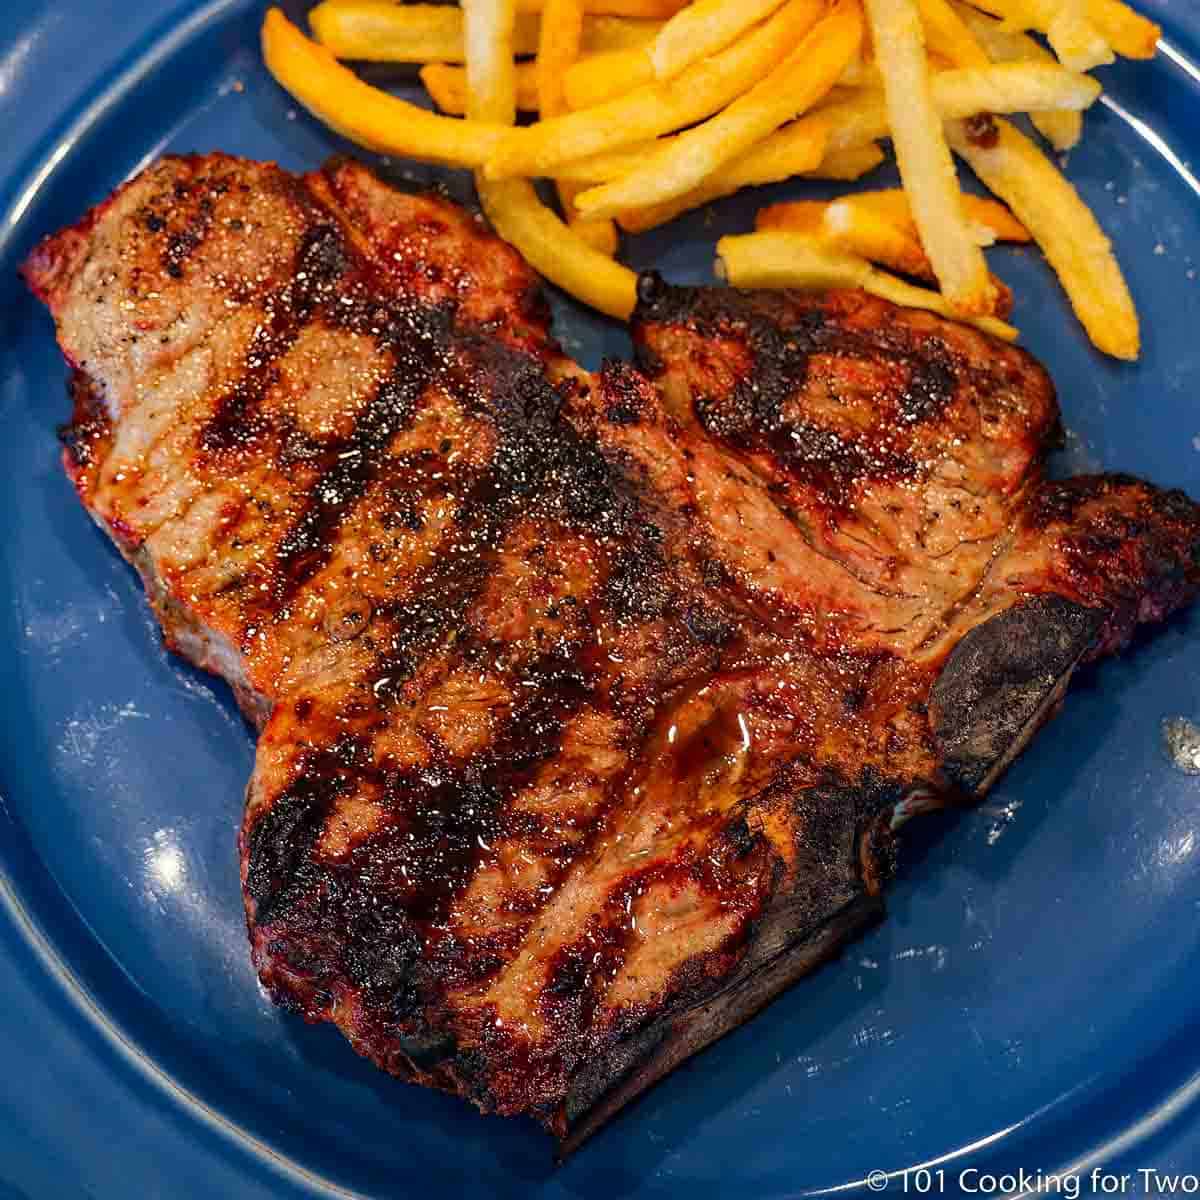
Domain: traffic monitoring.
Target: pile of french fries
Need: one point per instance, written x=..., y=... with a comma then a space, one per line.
x=649, y=108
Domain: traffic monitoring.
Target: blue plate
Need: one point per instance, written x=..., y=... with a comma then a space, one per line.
x=1031, y=1003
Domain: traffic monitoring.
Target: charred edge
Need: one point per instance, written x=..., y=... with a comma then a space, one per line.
x=843, y=858
x=1002, y=681
x=604, y=1088
x=89, y=424
x=279, y=866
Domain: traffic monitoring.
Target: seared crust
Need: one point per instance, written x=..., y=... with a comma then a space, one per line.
x=588, y=703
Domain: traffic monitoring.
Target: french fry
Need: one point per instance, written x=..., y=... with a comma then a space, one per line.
x=1012, y=87
x=553, y=249
x=602, y=33
x=366, y=115
x=1061, y=128
x=794, y=260
x=702, y=29
x=924, y=158
x=792, y=216
x=893, y=205
x=655, y=108
x=378, y=31
x=848, y=164
x=866, y=230
x=1064, y=227
x=855, y=229
x=488, y=33
x=558, y=48
x=559, y=40
x=645, y=9
x=963, y=92
x=1077, y=42
x=1129, y=33
x=612, y=165
x=601, y=77
x=897, y=291
x=511, y=205
x=859, y=73
x=948, y=35
x=1067, y=24
x=798, y=149
x=795, y=85
x=447, y=87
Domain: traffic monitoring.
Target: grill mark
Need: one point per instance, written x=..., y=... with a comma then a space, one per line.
x=750, y=420
x=321, y=260
x=179, y=244
x=308, y=544
x=540, y=471
x=381, y=915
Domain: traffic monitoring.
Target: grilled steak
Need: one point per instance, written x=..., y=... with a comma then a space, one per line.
x=588, y=704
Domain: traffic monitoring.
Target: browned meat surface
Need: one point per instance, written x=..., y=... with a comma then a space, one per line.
x=588, y=704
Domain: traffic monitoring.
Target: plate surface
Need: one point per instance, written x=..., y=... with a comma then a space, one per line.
x=1029, y=1004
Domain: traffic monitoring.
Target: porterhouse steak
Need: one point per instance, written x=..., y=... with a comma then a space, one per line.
x=588, y=703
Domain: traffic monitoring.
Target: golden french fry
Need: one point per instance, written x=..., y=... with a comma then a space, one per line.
x=645, y=9
x=614, y=164
x=844, y=225
x=1011, y=87
x=948, y=35
x=859, y=73
x=488, y=31
x=792, y=216
x=877, y=226
x=381, y=31
x=848, y=163
x=447, y=86
x=703, y=28
x=602, y=33
x=787, y=260
x=655, y=108
x=963, y=92
x=1061, y=128
x=924, y=158
x=1127, y=32
x=897, y=291
x=558, y=48
x=795, y=85
x=1064, y=227
x=366, y=115
x=511, y=205
x=795, y=260
x=553, y=249
x=377, y=31
x=799, y=149
x=892, y=204
x=559, y=39
x=600, y=77
x=859, y=230
x=1077, y=42
x=1066, y=23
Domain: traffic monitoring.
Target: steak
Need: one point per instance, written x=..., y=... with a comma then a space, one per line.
x=588, y=704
